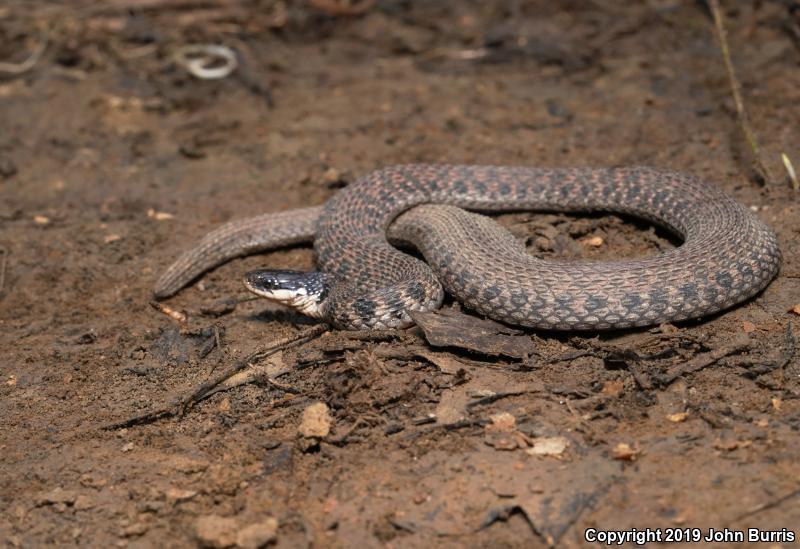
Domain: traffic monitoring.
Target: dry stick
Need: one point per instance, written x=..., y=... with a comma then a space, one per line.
x=180, y=405
x=703, y=361
x=736, y=90
x=4, y=253
x=14, y=69
x=766, y=506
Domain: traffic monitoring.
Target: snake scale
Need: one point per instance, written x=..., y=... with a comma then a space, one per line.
x=363, y=282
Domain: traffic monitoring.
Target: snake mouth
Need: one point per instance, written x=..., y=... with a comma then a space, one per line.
x=301, y=291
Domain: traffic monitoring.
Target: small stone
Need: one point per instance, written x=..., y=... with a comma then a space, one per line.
x=316, y=421
x=215, y=531
x=159, y=216
x=257, y=535
x=625, y=452
x=502, y=422
x=7, y=168
x=613, y=388
x=178, y=495
x=57, y=496
x=595, y=241
x=331, y=175
x=548, y=446
x=678, y=417
x=109, y=238
x=134, y=530
x=41, y=219
x=127, y=447
x=83, y=502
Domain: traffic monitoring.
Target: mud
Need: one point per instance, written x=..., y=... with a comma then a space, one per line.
x=113, y=160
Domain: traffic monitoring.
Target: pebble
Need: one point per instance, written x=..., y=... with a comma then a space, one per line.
x=316, y=421
x=257, y=535
x=215, y=531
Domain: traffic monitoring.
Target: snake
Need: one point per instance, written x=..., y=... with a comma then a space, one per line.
x=364, y=280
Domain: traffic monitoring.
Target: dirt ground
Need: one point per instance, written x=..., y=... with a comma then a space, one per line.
x=113, y=160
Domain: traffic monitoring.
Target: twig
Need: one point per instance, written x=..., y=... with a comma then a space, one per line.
x=703, y=361
x=15, y=69
x=341, y=7
x=766, y=506
x=736, y=90
x=3, y=264
x=182, y=404
x=790, y=170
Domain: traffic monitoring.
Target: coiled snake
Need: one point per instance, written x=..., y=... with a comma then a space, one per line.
x=727, y=255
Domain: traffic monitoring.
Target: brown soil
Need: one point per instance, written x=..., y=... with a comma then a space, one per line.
x=689, y=426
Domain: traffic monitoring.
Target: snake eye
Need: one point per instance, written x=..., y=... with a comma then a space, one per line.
x=302, y=291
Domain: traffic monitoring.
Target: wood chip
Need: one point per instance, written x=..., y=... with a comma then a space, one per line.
x=453, y=329
x=174, y=314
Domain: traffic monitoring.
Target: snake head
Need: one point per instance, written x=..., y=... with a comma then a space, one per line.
x=302, y=291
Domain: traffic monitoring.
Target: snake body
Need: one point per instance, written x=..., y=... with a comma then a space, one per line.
x=727, y=255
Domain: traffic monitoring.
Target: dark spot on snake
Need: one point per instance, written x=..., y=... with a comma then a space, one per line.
x=710, y=294
x=416, y=291
x=480, y=186
x=504, y=189
x=594, y=303
x=631, y=302
x=658, y=299
x=491, y=292
x=725, y=280
x=565, y=300
x=519, y=298
x=460, y=187
x=689, y=292
x=364, y=308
